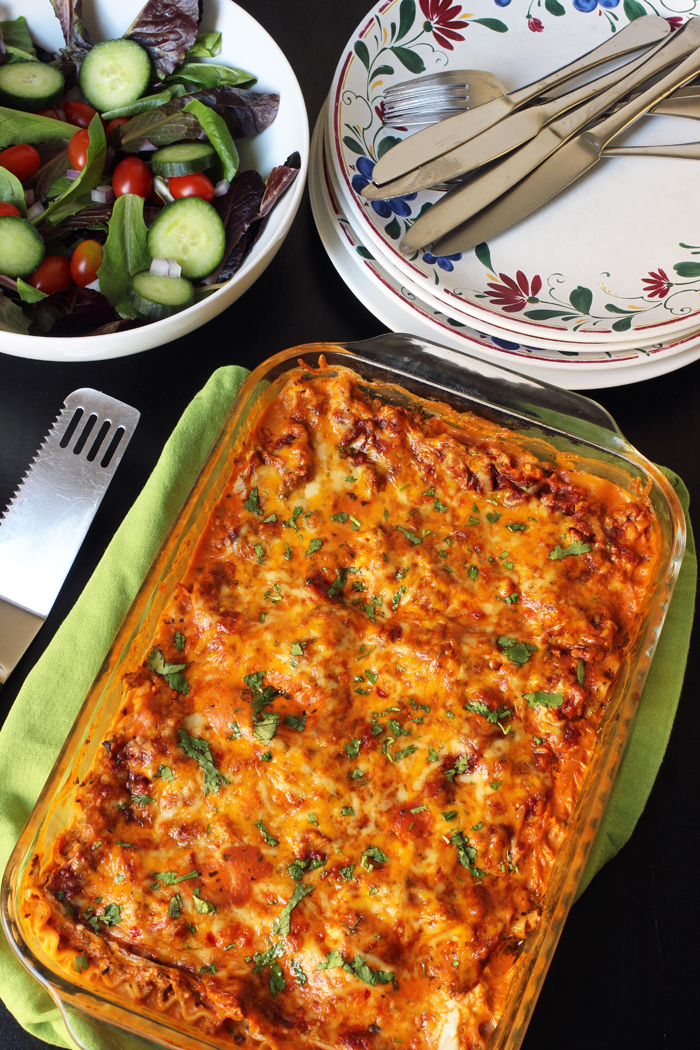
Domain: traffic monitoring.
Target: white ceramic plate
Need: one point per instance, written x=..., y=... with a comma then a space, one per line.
x=494, y=325
x=594, y=264
x=389, y=302
x=245, y=44
x=488, y=337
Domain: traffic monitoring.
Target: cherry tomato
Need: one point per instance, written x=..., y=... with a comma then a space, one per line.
x=7, y=209
x=52, y=275
x=117, y=122
x=196, y=185
x=53, y=113
x=79, y=113
x=77, y=149
x=131, y=175
x=23, y=161
x=86, y=261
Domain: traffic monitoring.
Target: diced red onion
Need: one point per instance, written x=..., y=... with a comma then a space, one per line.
x=94, y=286
x=61, y=114
x=72, y=174
x=146, y=145
x=102, y=195
x=161, y=188
x=221, y=188
x=35, y=210
x=29, y=197
x=161, y=267
x=174, y=268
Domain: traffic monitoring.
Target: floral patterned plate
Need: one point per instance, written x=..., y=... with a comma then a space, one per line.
x=385, y=308
x=400, y=308
x=610, y=259
x=548, y=348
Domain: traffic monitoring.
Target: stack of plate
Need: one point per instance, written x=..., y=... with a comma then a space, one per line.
x=601, y=287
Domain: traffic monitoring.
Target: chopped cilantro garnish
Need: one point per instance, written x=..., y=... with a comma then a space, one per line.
x=196, y=748
x=179, y=641
x=355, y=774
x=170, y=672
x=419, y=809
x=430, y=491
x=577, y=547
x=170, y=878
x=544, y=699
x=433, y=756
x=509, y=599
x=298, y=972
x=208, y=969
x=372, y=856
x=297, y=648
x=496, y=717
x=235, y=730
x=200, y=906
x=353, y=748
x=493, y=517
x=292, y=523
x=266, y=756
x=466, y=854
x=297, y=722
x=264, y=959
x=360, y=968
x=277, y=981
x=339, y=582
x=80, y=963
x=347, y=811
x=516, y=526
x=165, y=772
x=350, y=479
x=260, y=553
x=460, y=766
x=473, y=521
x=253, y=503
x=314, y=546
x=478, y=827
x=495, y=784
x=410, y=750
x=269, y=518
x=580, y=672
x=538, y=740
x=473, y=572
x=287, y=551
x=451, y=814
x=112, y=915
x=347, y=872
x=269, y=839
x=518, y=652
x=341, y=516
x=355, y=523
x=265, y=726
x=141, y=800
x=282, y=923
x=409, y=535
x=371, y=676
x=440, y=506
x=311, y=818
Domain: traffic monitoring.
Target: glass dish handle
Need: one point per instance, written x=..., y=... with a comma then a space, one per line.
x=487, y=382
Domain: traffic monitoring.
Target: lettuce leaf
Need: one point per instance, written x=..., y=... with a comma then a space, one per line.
x=17, y=127
x=73, y=312
x=125, y=252
x=12, y=317
x=167, y=31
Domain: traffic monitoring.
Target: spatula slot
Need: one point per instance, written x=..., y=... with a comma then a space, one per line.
x=80, y=443
x=101, y=435
x=71, y=428
x=113, y=445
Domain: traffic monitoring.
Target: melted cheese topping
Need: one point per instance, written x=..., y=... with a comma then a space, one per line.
x=328, y=809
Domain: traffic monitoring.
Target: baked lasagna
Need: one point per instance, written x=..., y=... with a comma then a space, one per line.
x=328, y=807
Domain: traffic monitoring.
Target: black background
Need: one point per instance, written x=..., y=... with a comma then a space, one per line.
x=626, y=973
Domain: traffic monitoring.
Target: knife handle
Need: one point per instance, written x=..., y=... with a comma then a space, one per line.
x=685, y=41
x=617, y=122
x=640, y=33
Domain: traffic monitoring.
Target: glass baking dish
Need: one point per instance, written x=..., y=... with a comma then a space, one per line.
x=556, y=425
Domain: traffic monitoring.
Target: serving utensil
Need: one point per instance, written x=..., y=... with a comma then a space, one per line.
x=503, y=137
x=45, y=524
x=466, y=201
x=432, y=142
x=568, y=162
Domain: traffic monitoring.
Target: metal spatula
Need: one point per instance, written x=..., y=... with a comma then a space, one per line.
x=45, y=524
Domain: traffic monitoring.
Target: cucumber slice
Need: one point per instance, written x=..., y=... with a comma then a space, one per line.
x=21, y=247
x=190, y=231
x=155, y=296
x=30, y=86
x=115, y=73
x=183, y=158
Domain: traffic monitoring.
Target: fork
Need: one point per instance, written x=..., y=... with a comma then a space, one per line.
x=462, y=94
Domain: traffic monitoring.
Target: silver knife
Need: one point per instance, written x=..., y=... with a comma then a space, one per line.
x=467, y=200
x=433, y=141
x=566, y=164
x=46, y=521
x=503, y=137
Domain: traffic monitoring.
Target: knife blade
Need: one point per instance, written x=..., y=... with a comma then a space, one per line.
x=503, y=137
x=461, y=204
x=565, y=165
x=433, y=141
x=47, y=519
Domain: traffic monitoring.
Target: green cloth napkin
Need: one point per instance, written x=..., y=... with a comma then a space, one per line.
x=29, y=741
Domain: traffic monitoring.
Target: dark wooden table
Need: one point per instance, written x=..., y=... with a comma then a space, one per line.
x=626, y=972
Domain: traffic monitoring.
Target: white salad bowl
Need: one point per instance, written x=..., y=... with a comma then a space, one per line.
x=245, y=44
